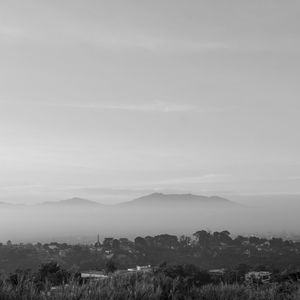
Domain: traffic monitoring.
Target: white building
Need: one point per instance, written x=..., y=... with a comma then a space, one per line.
x=258, y=277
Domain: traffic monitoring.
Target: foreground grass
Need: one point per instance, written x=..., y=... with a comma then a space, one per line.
x=147, y=287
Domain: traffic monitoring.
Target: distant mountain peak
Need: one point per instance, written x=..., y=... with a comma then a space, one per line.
x=156, y=194
x=73, y=201
x=77, y=200
x=179, y=199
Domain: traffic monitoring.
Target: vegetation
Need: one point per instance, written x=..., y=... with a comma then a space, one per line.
x=157, y=285
x=183, y=268
x=207, y=250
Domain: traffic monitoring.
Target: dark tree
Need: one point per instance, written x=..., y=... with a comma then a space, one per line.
x=115, y=244
x=52, y=273
x=110, y=266
x=140, y=242
x=202, y=237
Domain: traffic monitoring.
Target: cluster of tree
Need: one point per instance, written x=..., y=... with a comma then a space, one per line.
x=206, y=238
x=48, y=274
x=205, y=249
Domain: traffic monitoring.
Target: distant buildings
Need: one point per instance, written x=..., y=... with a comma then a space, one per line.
x=141, y=269
x=258, y=277
x=93, y=275
x=217, y=272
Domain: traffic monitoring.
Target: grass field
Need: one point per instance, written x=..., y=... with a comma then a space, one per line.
x=146, y=286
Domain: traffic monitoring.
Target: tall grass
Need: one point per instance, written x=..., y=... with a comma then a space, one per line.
x=146, y=286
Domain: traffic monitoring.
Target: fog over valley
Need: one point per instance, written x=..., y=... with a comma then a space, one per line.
x=80, y=220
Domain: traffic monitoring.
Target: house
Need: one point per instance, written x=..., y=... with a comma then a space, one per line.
x=140, y=269
x=93, y=275
x=217, y=272
x=258, y=277
x=143, y=268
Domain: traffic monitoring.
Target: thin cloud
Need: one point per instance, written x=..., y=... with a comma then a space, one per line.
x=152, y=107
x=156, y=106
x=154, y=44
x=108, y=40
x=187, y=180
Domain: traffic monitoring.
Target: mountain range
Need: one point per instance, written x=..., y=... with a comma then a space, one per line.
x=171, y=200
x=153, y=200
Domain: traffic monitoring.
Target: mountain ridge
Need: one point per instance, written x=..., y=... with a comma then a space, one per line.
x=76, y=201
x=179, y=199
x=150, y=200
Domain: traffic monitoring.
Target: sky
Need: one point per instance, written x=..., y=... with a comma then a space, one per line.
x=113, y=99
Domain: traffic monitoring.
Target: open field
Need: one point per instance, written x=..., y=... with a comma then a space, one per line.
x=147, y=286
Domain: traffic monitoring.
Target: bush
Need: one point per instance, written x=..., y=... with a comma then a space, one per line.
x=166, y=285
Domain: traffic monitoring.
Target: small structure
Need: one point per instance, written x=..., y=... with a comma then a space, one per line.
x=217, y=274
x=259, y=277
x=93, y=275
x=140, y=269
x=143, y=268
x=53, y=247
x=97, y=244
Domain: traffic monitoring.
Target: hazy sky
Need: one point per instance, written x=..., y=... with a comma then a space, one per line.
x=194, y=96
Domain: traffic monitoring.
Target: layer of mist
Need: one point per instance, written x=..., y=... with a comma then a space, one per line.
x=78, y=220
